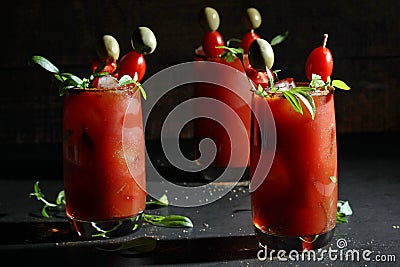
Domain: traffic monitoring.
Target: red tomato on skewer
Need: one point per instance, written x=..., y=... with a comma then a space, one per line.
x=320, y=62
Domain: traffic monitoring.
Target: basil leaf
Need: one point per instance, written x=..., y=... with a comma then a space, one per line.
x=162, y=202
x=142, y=91
x=340, y=85
x=168, y=221
x=343, y=211
x=279, y=38
x=344, y=207
x=60, y=200
x=45, y=63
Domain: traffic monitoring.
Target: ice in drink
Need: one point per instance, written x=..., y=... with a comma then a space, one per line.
x=294, y=207
x=104, y=159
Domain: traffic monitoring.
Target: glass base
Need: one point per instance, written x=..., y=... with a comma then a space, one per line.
x=298, y=243
x=107, y=229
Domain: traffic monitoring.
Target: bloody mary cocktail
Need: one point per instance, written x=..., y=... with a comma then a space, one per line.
x=104, y=160
x=294, y=207
x=209, y=128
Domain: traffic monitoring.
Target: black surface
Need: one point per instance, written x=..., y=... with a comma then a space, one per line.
x=369, y=178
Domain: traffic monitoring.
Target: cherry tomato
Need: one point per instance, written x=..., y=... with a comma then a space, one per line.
x=210, y=41
x=109, y=67
x=131, y=63
x=320, y=62
x=258, y=77
x=247, y=39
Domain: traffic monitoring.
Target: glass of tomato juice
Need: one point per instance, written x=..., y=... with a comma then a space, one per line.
x=294, y=200
x=228, y=153
x=104, y=161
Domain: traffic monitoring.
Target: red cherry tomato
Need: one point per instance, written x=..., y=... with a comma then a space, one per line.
x=259, y=77
x=109, y=67
x=209, y=43
x=247, y=39
x=131, y=63
x=320, y=62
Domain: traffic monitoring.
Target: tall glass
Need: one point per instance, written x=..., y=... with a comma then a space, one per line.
x=104, y=161
x=227, y=154
x=294, y=202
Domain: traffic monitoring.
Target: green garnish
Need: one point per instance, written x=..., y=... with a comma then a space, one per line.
x=162, y=202
x=168, y=221
x=296, y=95
x=279, y=38
x=343, y=211
x=70, y=81
x=58, y=205
x=231, y=53
x=158, y=220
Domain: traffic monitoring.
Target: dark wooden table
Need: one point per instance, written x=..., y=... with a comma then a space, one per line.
x=369, y=178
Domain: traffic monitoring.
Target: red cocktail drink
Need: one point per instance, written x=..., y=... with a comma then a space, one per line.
x=104, y=160
x=294, y=204
x=228, y=153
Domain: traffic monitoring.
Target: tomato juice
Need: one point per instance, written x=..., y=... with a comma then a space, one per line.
x=103, y=157
x=209, y=128
x=297, y=199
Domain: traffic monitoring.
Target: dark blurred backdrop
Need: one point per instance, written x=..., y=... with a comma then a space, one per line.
x=363, y=37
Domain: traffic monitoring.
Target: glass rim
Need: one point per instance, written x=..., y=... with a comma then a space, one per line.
x=121, y=88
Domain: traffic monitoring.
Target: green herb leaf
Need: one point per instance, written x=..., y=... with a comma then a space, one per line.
x=316, y=81
x=45, y=63
x=136, y=246
x=41, y=197
x=308, y=102
x=70, y=81
x=60, y=200
x=231, y=53
x=168, y=221
x=343, y=211
x=279, y=38
x=293, y=100
x=165, y=221
x=161, y=202
x=340, y=85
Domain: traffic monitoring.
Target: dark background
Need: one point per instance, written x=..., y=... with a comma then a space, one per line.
x=363, y=38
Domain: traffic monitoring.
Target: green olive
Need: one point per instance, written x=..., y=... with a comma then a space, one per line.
x=252, y=18
x=209, y=19
x=261, y=55
x=108, y=47
x=143, y=40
